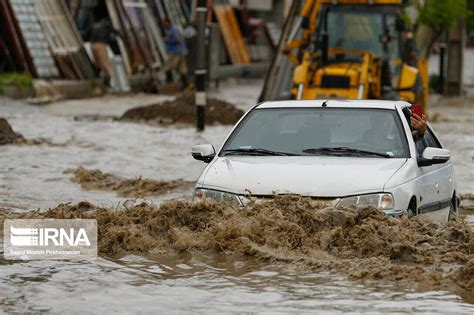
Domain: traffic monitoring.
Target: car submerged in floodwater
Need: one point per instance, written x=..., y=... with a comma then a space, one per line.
x=343, y=151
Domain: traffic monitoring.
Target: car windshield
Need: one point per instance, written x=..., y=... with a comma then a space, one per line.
x=355, y=31
x=319, y=131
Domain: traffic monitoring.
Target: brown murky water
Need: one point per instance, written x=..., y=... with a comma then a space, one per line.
x=294, y=257
x=133, y=188
x=362, y=242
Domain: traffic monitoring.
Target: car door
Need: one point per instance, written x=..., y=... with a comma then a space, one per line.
x=444, y=172
x=426, y=180
x=436, y=182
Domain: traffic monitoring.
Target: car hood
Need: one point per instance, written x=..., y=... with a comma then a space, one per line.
x=317, y=176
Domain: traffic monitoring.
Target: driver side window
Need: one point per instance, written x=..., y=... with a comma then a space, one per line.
x=431, y=140
x=420, y=146
x=428, y=140
x=420, y=143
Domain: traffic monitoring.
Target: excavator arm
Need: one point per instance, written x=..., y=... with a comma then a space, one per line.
x=331, y=71
x=307, y=21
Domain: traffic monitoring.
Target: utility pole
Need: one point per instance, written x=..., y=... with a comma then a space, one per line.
x=201, y=71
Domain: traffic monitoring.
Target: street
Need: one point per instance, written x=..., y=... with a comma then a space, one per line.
x=85, y=133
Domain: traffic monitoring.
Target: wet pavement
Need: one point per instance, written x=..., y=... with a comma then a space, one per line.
x=84, y=133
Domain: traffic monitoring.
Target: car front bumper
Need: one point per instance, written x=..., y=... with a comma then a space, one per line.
x=394, y=213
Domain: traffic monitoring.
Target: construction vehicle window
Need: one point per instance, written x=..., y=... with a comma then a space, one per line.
x=394, y=45
x=355, y=31
x=297, y=129
x=394, y=49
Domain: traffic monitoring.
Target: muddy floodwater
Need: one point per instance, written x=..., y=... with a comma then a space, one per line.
x=203, y=276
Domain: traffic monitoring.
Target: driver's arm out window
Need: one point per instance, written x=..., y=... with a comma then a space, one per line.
x=420, y=142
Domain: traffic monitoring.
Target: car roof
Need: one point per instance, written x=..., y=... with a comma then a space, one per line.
x=382, y=104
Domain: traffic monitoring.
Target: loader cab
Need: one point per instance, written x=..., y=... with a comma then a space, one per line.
x=350, y=37
x=357, y=28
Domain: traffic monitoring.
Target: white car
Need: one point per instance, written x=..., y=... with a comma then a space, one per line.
x=345, y=152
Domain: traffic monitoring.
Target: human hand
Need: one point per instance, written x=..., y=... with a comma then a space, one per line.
x=419, y=123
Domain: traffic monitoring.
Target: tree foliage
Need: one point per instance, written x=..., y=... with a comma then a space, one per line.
x=440, y=15
x=470, y=17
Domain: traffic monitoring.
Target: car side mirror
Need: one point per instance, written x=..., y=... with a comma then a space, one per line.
x=432, y=156
x=203, y=152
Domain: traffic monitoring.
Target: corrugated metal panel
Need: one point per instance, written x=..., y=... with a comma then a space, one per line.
x=35, y=39
x=63, y=36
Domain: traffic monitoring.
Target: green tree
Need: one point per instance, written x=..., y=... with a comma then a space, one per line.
x=470, y=17
x=440, y=16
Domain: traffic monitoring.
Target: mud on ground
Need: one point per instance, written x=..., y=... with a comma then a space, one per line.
x=183, y=110
x=8, y=136
x=138, y=187
x=361, y=242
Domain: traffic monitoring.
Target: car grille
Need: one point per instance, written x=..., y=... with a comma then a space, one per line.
x=315, y=201
x=335, y=81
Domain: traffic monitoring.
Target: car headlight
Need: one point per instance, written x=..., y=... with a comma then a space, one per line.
x=383, y=201
x=201, y=193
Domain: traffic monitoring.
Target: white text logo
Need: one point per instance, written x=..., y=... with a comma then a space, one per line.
x=48, y=236
x=50, y=239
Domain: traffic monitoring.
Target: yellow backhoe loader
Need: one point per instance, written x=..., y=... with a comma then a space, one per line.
x=348, y=49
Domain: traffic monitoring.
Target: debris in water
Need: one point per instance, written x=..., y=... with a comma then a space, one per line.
x=8, y=136
x=360, y=242
x=183, y=110
x=138, y=187
x=465, y=274
x=467, y=203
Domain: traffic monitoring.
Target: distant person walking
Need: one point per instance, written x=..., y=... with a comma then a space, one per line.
x=102, y=34
x=177, y=51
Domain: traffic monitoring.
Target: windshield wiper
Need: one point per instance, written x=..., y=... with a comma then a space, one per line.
x=255, y=151
x=343, y=150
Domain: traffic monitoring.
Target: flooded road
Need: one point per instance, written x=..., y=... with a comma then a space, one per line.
x=136, y=284
x=31, y=177
x=454, y=125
